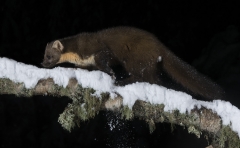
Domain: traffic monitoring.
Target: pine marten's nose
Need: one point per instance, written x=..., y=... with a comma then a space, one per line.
x=45, y=64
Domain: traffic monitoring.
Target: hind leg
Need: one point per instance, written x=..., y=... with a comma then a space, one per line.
x=151, y=76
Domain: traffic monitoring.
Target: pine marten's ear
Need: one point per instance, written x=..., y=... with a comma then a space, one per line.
x=58, y=45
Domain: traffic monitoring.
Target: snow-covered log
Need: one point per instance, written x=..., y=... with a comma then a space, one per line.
x=94, y=91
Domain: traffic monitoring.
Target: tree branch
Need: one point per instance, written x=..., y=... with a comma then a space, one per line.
x=85, y=105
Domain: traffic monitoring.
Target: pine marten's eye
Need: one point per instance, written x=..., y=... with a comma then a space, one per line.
x=48, y=57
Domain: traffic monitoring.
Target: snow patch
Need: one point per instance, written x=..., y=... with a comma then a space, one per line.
x=159, y=59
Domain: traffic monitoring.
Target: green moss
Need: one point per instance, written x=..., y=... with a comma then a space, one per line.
x=66, y=119
x=193, y=130
x=92, y=104
x=127, y=113
x=151, y=125
x=84, y=107
x=8, y=87
x=227, y=138
x=25, y=92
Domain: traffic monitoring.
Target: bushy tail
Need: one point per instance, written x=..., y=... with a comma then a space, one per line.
x=187, y=76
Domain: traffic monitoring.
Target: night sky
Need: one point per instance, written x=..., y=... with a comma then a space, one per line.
x=204, y=34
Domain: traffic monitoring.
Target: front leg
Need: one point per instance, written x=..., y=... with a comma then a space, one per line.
x=102, y=61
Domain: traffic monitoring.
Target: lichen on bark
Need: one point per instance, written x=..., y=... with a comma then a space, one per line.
x=85, y=105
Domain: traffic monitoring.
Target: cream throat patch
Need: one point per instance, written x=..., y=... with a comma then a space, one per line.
x=75, y=59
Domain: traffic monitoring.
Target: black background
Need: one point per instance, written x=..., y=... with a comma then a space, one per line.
x=204, y=34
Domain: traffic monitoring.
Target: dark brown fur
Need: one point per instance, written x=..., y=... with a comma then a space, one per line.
x=135, y=51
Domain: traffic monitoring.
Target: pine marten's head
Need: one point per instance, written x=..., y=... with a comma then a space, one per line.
x=52, y=54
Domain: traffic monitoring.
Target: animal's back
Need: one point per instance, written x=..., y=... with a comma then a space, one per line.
x=140, y=51
x=137, y=49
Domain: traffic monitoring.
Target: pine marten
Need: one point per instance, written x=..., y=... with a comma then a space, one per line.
x=138, y=53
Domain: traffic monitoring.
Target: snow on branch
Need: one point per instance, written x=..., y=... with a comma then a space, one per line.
x=95, y=91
